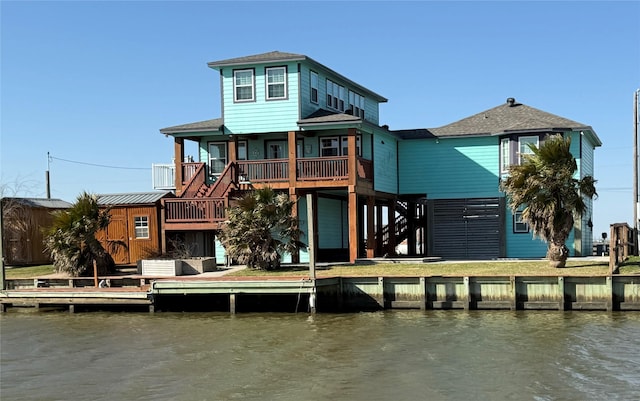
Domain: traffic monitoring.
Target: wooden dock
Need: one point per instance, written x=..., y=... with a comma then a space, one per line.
x=606, y=293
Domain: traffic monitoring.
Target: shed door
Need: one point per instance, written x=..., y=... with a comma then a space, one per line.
x=467, y=228
x=117, y=231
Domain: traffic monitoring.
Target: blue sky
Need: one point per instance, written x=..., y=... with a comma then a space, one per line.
x=93, y=82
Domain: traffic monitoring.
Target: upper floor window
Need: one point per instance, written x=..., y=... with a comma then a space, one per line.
x=243, y=84
x=276, y=83
x=141, y=224
x=505, y=153
x=523, y=146
x=313, y=79
x=335, y=96
x=356, y=104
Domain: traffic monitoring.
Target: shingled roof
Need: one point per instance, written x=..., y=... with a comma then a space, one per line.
x=322, y=116
x=206, y=125
x=259, y=58
x=506, y=118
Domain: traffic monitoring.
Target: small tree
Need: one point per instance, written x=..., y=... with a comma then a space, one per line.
x=72, y=238
x=260, y=229
x=545, y=186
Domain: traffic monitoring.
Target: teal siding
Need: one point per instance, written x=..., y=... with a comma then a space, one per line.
x=385, y=148
x=522, y=245
x=261, y=115
x=450, y=168
x=332, y=224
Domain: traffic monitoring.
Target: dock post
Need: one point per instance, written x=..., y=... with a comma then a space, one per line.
x=3, y=308
x=610, y=294
x=423, y=293
x=514, y=293
x=561, y=303
x=72, y=308
x=232, y=303
x=466, y=297
x=312, y=301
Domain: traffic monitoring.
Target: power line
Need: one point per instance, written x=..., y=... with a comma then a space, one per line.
x=98, y=165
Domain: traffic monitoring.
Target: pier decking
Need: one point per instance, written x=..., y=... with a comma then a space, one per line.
x=607, y=293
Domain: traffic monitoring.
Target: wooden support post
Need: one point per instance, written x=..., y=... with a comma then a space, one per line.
x=178, y=149
x=561, y=294
x=312, y=241
x=232, y=303
x=95, y=273
x=3, y=308
x=466, y=296
x=353, y=227
x=72, y=308
x=371, y=233
x=423, y=293
x=391, y=219
x=152, y=308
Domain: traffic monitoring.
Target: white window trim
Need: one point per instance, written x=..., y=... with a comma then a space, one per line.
x=517, y=220
x=145, y=227
x=505, y=155
x=209, y=158
x=267, y=84
x=337, y=147
x=252, y=85
x=520, y=143
x=344, y=145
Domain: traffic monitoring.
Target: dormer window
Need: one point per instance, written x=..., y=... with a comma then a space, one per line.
x=276, y=83
x=314, y=86
x=243, y=84
x=335, y=96
x=356, y=104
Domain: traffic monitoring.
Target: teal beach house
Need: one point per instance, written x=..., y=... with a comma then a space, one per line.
x=291, y=123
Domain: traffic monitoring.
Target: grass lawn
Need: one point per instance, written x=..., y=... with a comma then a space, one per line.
x=29, y=271
x=574, y=267
x=489, y=268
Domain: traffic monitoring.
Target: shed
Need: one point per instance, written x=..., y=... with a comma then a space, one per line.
x=24, y=221
x=135, y=220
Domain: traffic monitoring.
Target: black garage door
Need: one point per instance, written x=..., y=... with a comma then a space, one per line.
x=467, y=228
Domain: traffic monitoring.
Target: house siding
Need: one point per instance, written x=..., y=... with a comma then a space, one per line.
x=522, y=245
x=385, y=151
x=260, y=115
x=450, y=168
x=332, y=226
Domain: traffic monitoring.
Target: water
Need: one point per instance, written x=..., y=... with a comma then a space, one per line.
x=392, y=355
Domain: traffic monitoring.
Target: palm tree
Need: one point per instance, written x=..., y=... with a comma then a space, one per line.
x=544, y=184
x=72, y=238
x=260, y=228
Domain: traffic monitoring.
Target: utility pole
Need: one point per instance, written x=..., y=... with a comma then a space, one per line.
x=47, y=177
x=635, y=171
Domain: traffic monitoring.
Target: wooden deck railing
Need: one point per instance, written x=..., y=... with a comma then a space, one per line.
x=322, y=168
x=365, y=169
x=196, y=177
x=194, y=210
x=269, y=170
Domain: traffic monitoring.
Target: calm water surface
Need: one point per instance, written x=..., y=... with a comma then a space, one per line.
x=433, y=355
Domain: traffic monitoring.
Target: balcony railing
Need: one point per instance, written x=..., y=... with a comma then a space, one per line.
x=322, y=168
x=163, y=176
x=194, y=210
x=270, y=170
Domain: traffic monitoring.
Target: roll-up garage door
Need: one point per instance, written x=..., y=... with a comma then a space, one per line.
x=466, y=228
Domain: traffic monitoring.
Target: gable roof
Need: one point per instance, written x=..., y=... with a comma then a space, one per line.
x=322, y=116
x=511, y=117
x=278, y=56
x=134, y=198
x=40, y=202
x=206, y=125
